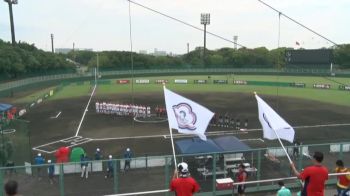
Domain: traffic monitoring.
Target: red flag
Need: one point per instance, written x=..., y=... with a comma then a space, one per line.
x=297, y=43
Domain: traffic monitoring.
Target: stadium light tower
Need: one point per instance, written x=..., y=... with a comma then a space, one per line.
x=10, y=2
x=205, y=20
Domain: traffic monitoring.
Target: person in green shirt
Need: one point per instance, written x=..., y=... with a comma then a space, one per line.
x=283, y=190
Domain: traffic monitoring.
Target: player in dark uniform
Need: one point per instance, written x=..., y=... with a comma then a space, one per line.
x=227, y=120
x=221, y=121
x=238, y=124
x=232, y=123
x=246, y=123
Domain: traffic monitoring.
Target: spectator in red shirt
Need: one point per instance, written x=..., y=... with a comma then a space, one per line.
x=314, y=176
x=241, y=177
x=343, y=183
x=182, y=183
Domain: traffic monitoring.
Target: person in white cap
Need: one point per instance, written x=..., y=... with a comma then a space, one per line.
x=182, y=182
x=98, y=154
x=50, y=170
x=39, y=160
x=110, y=167
x=127, y=157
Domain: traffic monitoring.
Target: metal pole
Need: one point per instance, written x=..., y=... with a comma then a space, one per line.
x=97, y=66
x=132, y=61
x=279, y=30
x=61, y=179
x=74, y=52
x=171, y=136
x=205, y=33
x=52, y=47
x=11, y=22
x=278, y=137
x=286, y=178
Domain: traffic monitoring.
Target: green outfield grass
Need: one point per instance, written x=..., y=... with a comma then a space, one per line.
x=332, y=95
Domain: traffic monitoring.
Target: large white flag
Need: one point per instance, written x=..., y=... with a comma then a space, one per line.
x=185, y=115
x=271, y=121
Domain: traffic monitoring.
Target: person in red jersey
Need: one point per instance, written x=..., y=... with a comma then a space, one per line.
x=314, y=176
x=241, y=177
x=182, y=183
x=343, y=183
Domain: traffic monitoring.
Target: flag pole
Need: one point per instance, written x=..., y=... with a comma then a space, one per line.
x=278, y=137
x=171, y=136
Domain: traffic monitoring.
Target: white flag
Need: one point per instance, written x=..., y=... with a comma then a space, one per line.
x=270, y=121
x=185, y=115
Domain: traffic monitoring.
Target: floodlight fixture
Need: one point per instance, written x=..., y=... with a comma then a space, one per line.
x=11, y=1
x=205, y=18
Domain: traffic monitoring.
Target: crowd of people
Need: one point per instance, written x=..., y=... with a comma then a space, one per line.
x=227, y=121
x=313, y=179
x=122, y=109
x=85, y=163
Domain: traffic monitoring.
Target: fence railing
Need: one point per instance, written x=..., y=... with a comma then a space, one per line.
x=33, y=80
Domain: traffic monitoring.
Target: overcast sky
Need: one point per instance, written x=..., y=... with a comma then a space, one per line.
x=104, y=24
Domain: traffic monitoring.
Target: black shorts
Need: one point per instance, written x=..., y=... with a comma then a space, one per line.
x=241, y=189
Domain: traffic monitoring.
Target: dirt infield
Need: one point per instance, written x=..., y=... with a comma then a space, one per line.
x=114, y=134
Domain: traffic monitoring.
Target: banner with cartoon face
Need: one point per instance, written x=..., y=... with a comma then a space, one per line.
x=185, y=115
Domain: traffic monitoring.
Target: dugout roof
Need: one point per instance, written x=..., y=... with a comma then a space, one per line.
x=4, y=107
x=219, y=144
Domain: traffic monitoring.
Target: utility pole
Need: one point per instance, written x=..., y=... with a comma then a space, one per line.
x=73, y=51
x=10, y=2
x=205, y=20
x=235, y=38
x=188, y=48
x=52, y=47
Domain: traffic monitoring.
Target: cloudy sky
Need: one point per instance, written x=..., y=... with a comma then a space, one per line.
x=104, y=24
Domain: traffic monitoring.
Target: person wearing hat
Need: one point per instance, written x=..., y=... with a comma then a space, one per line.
x=39, y=160
x=314, y=176
x=50, y=170
x=182, y=183
x=110, y=167
x=127, y=157
x=98, y=154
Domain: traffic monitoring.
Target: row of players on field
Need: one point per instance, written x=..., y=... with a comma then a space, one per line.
x=128, y=109
x=145, y=111
x=229, y=122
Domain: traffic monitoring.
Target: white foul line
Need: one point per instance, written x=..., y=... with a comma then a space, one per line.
x=214, y=133
x=56, y=115
x=59, y=113
x=86, y=109
x=165, y=136
x=308, y=126
x=176, y=135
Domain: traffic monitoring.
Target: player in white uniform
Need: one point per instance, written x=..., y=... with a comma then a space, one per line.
x=148, y=111
x=97, y=107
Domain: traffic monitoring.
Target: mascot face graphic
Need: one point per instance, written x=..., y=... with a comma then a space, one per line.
x=185, y=117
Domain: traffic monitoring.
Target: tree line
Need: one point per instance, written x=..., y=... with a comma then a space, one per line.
x=25, y=59
x=222, y=58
